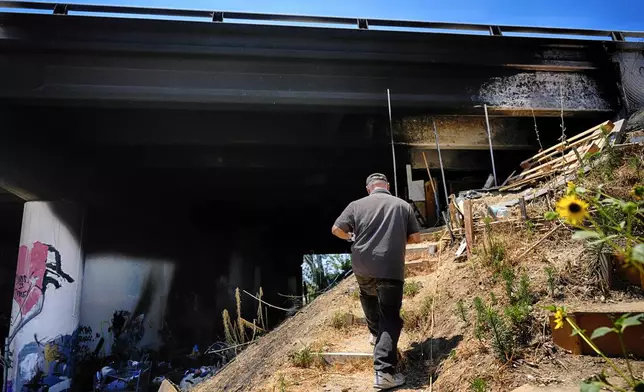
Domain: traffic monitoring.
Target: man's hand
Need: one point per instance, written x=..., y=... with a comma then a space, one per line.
x=338, y=232
x=414, y=239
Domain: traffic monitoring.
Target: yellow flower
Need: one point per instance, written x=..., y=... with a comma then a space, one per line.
x=572, y=209
x=638, y=192
x=570, y=190
x=559, y=318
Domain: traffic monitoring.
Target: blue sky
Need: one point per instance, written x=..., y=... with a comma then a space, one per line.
x=593, y=14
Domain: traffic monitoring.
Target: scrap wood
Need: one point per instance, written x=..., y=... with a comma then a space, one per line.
x=556, y=148
x=562, y=158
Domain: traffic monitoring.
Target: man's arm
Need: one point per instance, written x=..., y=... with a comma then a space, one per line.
x=338, y=232
x=413, y=238
x=413, y=231
x=344, y=224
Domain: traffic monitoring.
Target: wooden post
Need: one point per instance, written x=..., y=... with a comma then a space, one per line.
x=469, y=227
x=524, y=212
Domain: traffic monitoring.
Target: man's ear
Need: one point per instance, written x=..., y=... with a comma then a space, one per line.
x=387, y=186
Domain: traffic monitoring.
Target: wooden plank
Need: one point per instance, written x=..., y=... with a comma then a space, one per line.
x=469, y=227
x=346, y=357
x=524, y=212
x=430, y=202
x=606, y=125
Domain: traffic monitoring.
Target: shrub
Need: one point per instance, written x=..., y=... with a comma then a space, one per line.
x=303, y=358
x=411, y=288
x=552, y=280
x=502, y=338
x=478, y=385
x=339, y=320
x=508, y=277
x=461, y=311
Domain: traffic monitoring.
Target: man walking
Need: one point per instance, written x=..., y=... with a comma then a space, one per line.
x=380, y=226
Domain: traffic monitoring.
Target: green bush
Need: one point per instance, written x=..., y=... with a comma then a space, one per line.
x=304, y=358
x=411, y=288
x=478, y=385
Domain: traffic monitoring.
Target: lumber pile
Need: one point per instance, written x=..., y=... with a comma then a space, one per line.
x=561, y=159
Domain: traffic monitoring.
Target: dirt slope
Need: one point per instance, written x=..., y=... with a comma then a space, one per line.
x=447, y=351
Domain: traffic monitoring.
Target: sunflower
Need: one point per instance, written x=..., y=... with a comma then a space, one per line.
x=572, y=209
x=559, y=318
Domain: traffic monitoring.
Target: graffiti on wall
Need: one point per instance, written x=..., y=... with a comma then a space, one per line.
x=34, y=275
x=44, y=366
x=44, y=363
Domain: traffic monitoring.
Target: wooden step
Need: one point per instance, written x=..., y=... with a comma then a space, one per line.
x=419, y=267
x=596, y=316
x=531, y=388
x=422, y=250
x=332, y=358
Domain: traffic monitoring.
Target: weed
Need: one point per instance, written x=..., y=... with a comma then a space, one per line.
x=478, y=385
x=236, y=331
x=502, y=338
x=493, y=299
x=303, y=358
x=552, y=280
x=452, y=354
x=339, y=320
x=355, y=294
x=282, y=383
x=523, y=292
x=518, y=314
x=460, y=309
x=497, y=255
x=481, y=325
x=530, y=227
x=508, y=277
x=411, y=288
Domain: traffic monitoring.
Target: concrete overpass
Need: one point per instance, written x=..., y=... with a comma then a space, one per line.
x=212, y=154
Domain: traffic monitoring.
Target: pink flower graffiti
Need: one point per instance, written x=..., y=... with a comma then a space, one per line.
x=30, y=275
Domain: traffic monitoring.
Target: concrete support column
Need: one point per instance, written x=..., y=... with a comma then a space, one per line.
x=46, y=297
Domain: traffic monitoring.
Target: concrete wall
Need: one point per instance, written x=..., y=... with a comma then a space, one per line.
x=116, y=282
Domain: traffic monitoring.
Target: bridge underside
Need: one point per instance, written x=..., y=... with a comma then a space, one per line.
x=179, y=136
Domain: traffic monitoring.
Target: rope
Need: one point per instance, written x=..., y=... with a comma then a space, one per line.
x=267, y=304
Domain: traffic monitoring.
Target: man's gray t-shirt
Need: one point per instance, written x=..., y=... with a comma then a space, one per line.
x=381, y=224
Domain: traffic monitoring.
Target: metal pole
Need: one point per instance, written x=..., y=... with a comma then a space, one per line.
x=393, y=151
x=440, y=160
x=489, y=138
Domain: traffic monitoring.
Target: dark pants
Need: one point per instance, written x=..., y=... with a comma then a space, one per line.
x=381, y=301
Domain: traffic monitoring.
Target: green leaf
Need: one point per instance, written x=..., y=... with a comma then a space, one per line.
x=580, y=189
x=599, y=332
x=638, y=253
x=551, y=215
x=589, y=387
x=551, y=308
x=631, y=321
x=585, y=234
x=604, y=239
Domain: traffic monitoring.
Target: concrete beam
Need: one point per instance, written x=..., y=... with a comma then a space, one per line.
x=176, y=64
x=467, y=133
x=545, y=93
x=462, y=160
